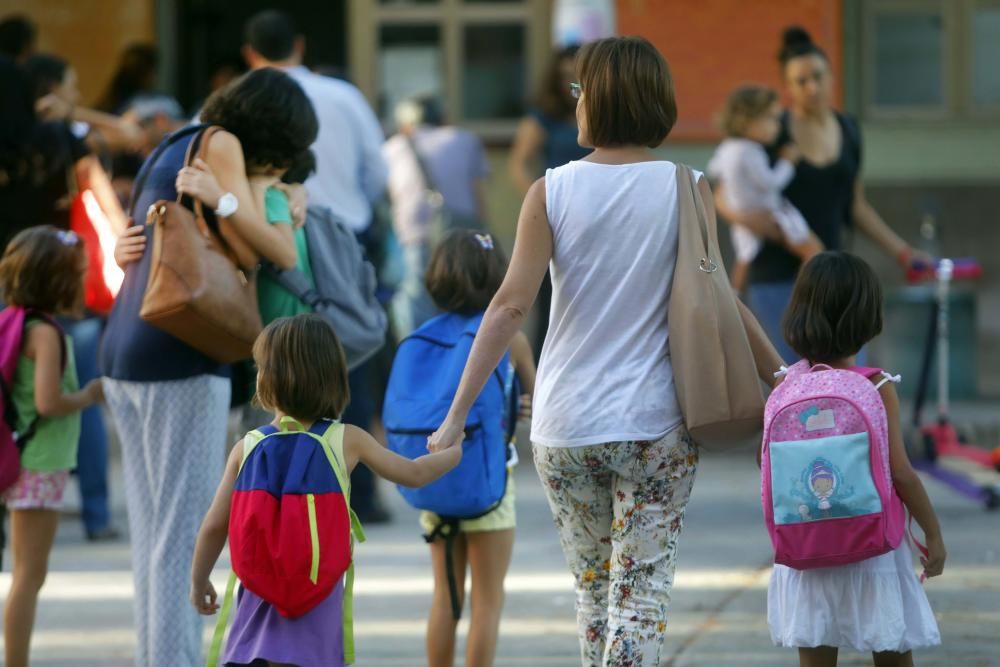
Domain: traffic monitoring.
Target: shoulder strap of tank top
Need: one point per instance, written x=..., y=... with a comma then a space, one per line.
x=140, y=180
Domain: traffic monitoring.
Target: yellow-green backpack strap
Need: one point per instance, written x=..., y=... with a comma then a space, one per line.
x=220, y=626
x=349, y=615
x=333, y=447
x=250, y=442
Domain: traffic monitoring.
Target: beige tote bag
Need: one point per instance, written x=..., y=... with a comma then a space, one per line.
x=719, y=352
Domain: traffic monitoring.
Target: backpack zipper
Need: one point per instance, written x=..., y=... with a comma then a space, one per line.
x=313, y=537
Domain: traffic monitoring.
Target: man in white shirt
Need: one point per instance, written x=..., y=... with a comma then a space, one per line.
x=350, y=176
x=350, y=172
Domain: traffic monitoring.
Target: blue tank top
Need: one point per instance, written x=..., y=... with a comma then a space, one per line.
x=560, y=141
x=133, y=350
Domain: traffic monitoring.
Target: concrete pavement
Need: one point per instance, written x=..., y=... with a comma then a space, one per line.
x=718, y=611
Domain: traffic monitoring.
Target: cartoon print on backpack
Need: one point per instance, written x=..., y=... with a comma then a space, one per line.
x=822, y=489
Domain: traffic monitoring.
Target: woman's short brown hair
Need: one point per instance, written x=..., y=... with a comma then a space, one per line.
x=628, y=93
x=465, y=271
x=43, y=268
x=744, y=105
x=836, y=308
x=301, y=369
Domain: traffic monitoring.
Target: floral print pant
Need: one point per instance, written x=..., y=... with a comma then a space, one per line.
x=619, y=508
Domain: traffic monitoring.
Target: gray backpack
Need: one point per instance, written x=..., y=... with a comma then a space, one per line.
x=345, y=285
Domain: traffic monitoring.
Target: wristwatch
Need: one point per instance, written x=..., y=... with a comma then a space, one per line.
x=228, y=204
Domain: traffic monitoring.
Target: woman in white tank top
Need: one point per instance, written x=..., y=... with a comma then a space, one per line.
x=610, y=446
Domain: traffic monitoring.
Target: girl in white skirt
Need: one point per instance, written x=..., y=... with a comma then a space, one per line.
x=875, y=605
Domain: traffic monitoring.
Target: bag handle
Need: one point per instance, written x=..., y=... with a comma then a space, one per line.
x=705, y=263
x=224, y=227
x=140, y=180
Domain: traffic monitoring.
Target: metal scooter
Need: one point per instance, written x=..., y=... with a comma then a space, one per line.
x=937, y=448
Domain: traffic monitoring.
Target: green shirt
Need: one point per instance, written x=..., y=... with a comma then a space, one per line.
x=274, y=300
x=53, y=447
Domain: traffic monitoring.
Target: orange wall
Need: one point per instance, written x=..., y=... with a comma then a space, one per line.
x=714, y=45
x=88, y=33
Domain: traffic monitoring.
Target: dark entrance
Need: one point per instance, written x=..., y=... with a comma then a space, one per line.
x=210, y=34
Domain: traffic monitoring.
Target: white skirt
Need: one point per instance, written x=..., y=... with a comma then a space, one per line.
x=875, y=605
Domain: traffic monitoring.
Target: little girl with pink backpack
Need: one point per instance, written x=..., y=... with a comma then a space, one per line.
x=836, y=484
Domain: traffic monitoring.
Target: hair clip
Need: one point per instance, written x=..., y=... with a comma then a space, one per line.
x=485, y=241
x=67, y=237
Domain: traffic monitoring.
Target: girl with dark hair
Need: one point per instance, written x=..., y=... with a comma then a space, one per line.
x=546, y=139
x=874, y=605
x=54, y=83
x=826, y=187
x=39, y=159
x=169, y=401
x=463, y=276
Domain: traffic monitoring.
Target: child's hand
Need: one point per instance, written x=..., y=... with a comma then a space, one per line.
x=130, y=246
x=790, y=152
x=448, y=436
x=204, y=599
x=94, y=391
x=199, y=182
x=524, y=414
x=298, y=200
x=934, y=561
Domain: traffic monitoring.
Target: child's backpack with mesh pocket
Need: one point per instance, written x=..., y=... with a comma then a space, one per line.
x=826, y=485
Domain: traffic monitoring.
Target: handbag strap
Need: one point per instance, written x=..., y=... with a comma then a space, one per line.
x=425, y=171
x=686, y=188
x=198, y=149
x=140, y=180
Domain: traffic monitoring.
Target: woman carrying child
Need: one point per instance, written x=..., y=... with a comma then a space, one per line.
x=170, y=402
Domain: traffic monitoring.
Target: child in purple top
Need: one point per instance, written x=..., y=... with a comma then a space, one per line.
x=302, y=374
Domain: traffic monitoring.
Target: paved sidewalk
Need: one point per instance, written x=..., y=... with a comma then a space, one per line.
x=718, y=612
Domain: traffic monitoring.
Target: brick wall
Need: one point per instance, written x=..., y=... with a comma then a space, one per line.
x=90, y=34
x=714, y=45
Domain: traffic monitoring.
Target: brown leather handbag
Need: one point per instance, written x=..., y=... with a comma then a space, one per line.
x=718, y=350
x=202, y=287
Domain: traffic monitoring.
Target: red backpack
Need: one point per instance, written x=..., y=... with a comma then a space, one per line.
x=291, y=527
x=13, y=442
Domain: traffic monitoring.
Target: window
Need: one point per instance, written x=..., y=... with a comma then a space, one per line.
x=932, y=60
x=909, y=59
x=986, y=56
x=478, y=57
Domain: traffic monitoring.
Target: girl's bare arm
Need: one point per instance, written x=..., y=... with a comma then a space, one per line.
x=360, y=446
x=212, y=537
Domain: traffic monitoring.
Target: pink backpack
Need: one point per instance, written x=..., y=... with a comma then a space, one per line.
x=826, y=485
x=12, y=321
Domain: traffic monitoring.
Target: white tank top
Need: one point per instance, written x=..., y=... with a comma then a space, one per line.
x=605, y=373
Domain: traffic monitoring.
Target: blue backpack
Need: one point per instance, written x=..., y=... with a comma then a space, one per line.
x=424, y=378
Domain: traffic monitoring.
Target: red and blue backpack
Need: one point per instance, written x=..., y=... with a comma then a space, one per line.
x=291, y=528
